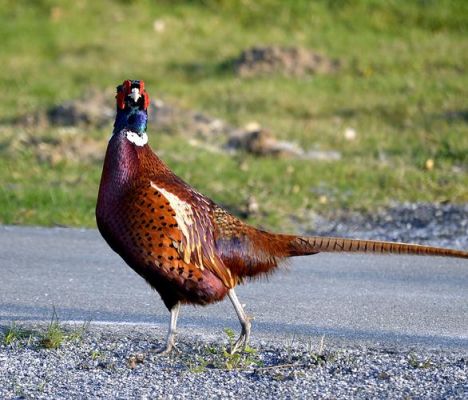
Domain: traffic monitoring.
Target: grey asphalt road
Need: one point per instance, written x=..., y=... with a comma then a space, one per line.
x=358, y=298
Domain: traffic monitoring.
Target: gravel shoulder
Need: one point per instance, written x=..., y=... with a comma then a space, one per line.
x=109, y=362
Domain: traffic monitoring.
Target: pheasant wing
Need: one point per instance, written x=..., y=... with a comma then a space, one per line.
x=176, y=223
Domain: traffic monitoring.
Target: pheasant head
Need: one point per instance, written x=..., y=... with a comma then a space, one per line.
x=132, y=104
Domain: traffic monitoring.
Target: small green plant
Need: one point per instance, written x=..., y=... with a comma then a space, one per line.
x=290, y=343
x=19, y=391
x=198, y=366
x=14, y=334
x=78, y=333
x=54, y=335
x=41, y=386
x=231, y=335
x=316, y=356
x=240, y=360
x=220, y=357
x=11, y=334
x=414, y=362
x=95, y=355
x=52, y=338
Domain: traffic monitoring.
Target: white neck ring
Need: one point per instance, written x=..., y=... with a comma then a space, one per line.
x=138, y=140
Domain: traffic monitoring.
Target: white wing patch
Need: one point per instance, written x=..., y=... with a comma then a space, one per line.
x=135, y=138
x=196, y=246
x=184, y=217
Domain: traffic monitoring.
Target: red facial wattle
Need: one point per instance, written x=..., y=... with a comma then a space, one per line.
x=146, y=100
x=125, y=90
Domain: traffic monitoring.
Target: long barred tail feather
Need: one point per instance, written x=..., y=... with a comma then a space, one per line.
x=303, y=245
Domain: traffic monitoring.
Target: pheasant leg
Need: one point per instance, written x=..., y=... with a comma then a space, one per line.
x=244, y=320
x=170, y=341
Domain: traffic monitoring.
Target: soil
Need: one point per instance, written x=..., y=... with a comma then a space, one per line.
x=261, y=142
x=289, y=61
x=69, y=146
x=95, y=110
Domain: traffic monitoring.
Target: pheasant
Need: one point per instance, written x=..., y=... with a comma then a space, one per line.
x=182, y=243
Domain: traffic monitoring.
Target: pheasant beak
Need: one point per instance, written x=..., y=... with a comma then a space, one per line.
x=135, y=95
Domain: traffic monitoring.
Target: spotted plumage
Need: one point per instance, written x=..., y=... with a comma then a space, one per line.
x=183, y=244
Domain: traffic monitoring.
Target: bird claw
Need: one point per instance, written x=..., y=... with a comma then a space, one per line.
x=165, y=350
x=244, y=337
x=239, y=345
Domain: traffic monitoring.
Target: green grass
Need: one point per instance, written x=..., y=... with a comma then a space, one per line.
x=221, y=357
x=14, y=333
x=402, y=87
x=54, y=336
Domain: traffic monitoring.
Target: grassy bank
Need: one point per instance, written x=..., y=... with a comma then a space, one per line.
x=402, y=87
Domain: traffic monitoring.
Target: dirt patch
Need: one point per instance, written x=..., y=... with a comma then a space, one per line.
x=65, y=147
x=79, y=149
x=214, y=134
x=171, y=119
x=96, y=110
x=291, y=61
x=261, y=142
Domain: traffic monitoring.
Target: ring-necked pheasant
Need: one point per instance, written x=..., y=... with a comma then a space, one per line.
x=187, y=247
